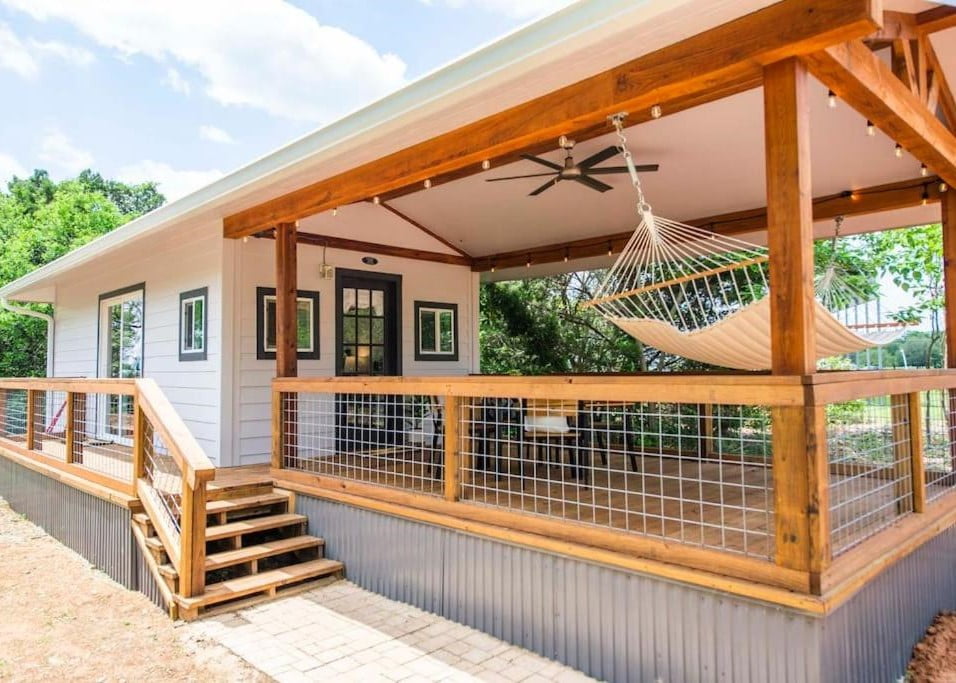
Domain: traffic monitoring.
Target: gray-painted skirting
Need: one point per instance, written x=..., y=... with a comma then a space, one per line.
x=95, y=528
x=624, y=626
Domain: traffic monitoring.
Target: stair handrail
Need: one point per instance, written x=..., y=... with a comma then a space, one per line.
x=189, y=558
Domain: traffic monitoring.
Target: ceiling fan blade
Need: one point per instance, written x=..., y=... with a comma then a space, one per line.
x=641, y=168
x=516, y=177
x=596, y=159
x=593, y=184
x=550, y=183
x=543, y=162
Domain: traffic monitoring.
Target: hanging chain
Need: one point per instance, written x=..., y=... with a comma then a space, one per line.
x=618, y=121
x=838, y=223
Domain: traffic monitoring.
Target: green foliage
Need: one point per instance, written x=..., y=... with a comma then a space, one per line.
x=41, y=220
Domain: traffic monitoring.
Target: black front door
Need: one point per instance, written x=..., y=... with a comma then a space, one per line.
x=368, y=342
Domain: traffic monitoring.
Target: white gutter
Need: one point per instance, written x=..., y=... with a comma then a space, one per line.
x=50, y=328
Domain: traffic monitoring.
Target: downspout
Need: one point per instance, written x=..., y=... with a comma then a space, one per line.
x=50, y=328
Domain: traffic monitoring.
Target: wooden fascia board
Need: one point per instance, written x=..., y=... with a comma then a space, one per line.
x=713, y=61
x=858, y=202
x=863, y=81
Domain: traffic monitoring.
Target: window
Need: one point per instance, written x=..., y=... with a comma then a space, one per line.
x=436, y=331
x=192, y=324
x=307, y=331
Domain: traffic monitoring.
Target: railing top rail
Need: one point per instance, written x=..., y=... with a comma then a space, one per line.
x=182, y=445
x=722, y=389
x=88, y=385
x=836, y=387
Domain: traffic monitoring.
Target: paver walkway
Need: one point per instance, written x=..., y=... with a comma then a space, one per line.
x=342, y=632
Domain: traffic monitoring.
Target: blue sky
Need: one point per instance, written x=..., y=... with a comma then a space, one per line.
x=182, y=91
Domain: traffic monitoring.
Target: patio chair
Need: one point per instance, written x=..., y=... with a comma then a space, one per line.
x=554, y=423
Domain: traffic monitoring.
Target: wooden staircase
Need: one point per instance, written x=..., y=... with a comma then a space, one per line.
x=255, y=547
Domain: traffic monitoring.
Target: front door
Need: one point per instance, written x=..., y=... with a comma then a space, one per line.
x=121, y=356
x=368, y=342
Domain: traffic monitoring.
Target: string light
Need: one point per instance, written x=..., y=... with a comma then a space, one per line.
x=925, y=196
x=527, y=264
x=898, y=151
x=428, y=183
x=335, y=211
x=923, y=171
x=486, y=164
x=943, y=187
x=610, y=249
x=831, y=99
x=870, y=129
x=656, y=111
x=376, y=201
x=566, y=251
x=492, y=267
x=245, y=240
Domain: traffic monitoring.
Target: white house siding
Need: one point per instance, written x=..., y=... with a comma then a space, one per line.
x=174, y=262
x=421, y=280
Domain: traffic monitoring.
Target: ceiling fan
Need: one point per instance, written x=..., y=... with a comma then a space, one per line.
x=581, y=172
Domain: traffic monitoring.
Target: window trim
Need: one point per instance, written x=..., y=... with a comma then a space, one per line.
x=202, y=293
x=264, y=293
x=436, y=307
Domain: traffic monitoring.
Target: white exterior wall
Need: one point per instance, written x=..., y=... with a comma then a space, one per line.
x=421, y=280
x=175, y=262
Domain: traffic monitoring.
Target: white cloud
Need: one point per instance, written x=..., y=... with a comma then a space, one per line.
x=14, y=55
x=59, y=151
x=173, y=183
x=77, y=56
x=10, y=167
x=518, y=9
x=215, y=134
x=267, y=54
x=176, y=82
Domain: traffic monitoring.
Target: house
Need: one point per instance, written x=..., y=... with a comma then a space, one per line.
x=308, y=324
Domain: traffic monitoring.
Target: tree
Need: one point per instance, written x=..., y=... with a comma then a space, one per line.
x=41, y=220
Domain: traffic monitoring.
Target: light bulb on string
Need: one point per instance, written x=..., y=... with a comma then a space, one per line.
x=898, y=151
x=831, y=99
x=924, y=199
x=870, y=129
x=923, y=171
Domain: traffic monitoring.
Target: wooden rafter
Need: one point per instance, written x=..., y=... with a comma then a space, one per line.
x=701, y=68
x=936, y=19
x=434, y=235
x=859, y=202
x=347, y=244
x=868, y=85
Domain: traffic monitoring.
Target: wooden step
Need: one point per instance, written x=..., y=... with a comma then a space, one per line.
x=241, y=490
x=265, y=582
x=249, y=526
x=142, y=520
x=216, y=507
x=230, y=558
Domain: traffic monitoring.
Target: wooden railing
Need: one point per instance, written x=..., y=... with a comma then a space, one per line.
x=119, y=436
x=784, y=481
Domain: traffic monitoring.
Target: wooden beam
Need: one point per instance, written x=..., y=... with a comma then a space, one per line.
x=374, y=248
x=936, y=19
x=286, y=301
x=411, y=221
x=724, y=57
x=896, y=26
x=858, y=202
x=947, y=103
x=868, y=85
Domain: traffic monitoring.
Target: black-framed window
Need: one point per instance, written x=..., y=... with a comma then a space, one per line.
x=193, y=324
x=436, y=331
x=307, y=324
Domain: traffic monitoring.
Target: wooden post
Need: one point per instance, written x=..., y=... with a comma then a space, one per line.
x=140, y=434
x=70, y=433
x=948, y=207
x=903, y=475
x=278, y=427
x=32, y=400
x=800, y=468
x=452, y=467
x=286, y=335
x=916, y=453
x=192, y=537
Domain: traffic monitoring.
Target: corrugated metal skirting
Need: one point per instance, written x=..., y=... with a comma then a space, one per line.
x=611, y=624
x=96, y=529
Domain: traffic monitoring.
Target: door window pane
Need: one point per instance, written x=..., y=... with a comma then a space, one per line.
x=378, y=302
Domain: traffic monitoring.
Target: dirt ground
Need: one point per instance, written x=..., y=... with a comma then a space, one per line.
x=63, y=620
x=934, y=658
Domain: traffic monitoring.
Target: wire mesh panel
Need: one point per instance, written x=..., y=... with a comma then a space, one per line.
x=696, y=474
x=103, y=434
x=938, y=426
x=49, y=420
x=13, y=414
x=389, y=440
x=163, y=479
x=870, y=465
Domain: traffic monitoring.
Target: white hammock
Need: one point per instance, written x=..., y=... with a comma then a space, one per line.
x=692, y=293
